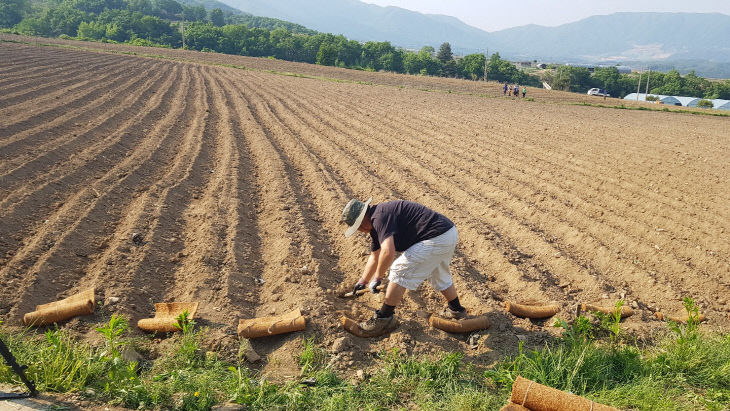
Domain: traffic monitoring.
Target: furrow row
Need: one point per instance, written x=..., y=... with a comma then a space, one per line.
x=21, y=91
x=46, y=162
x=566, y=179
x=74, y=109
x=35, y=69
x=145, y=272
x=84, y=189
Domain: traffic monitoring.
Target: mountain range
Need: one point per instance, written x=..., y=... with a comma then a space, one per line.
x=625, y=37
x=618, y=37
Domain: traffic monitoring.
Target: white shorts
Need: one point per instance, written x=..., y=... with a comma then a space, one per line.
x=428, y=259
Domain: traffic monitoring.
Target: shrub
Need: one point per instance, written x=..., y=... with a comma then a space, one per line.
x=704, y=104
x=141, y=42
x=91, y=30
x=652, y=98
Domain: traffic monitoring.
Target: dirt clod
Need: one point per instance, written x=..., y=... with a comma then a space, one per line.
x=137, y=238
x=341, y=344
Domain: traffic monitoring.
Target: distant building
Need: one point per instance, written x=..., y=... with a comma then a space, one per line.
x=668, y=100
x=683, y=101
x=688, y=101
x=541, y=65
x=721, y=104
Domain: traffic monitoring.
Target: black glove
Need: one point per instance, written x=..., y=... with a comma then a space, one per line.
x=374, y=286
x=359, y=286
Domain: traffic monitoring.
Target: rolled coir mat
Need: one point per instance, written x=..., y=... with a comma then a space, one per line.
x=538, y=397
x=459, y=326
x=165, y=319
x=510, y=406
x=684, y=318
x=82, y=303
x=625, y=311
x=531, y=311
x=266, y=326
x=351, y=326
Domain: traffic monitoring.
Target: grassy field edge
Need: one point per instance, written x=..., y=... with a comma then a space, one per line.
x=686, y=369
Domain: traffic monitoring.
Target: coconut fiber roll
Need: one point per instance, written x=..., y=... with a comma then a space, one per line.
x=510, y=406
x=459, y=326
x=166, y=314
x=351, y=326
x=265, y=326
x=538, y=397
x=82, y=303
x=625, y=311
x=678, y=318
x=531, y=311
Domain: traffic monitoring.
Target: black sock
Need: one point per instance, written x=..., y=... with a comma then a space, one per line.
x=386, y=311
x=456, y=305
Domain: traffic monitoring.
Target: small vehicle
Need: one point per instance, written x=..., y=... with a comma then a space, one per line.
x=598, y=92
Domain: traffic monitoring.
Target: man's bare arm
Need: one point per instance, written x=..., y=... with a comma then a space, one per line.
x=370, y=266
x=386, y=257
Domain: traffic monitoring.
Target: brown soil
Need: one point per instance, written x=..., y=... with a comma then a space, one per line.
x=235, y=180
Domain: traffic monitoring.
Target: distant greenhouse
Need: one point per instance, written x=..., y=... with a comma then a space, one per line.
x=688, y=101
x=669, y=100
x=642, y=96
x=717, y=104
x=721, y=104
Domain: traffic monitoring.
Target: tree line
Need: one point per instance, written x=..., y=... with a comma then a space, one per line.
x=157, y=23
x=672, y=83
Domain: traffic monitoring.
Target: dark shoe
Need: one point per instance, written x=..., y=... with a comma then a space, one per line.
x=450, y=314
x=378, y=326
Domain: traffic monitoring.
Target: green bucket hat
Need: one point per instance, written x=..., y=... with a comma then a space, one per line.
x=353, y=213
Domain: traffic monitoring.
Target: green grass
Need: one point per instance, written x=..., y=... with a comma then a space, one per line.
x=675, y=375
x=687, y=370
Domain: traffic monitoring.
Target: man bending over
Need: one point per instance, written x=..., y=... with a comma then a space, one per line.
x=427, y=241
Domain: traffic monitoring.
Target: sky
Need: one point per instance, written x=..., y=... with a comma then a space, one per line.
x=492, y=15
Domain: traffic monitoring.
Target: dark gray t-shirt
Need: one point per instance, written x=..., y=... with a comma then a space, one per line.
x=408, y=223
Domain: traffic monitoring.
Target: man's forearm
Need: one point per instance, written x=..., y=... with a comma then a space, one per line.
x=384, y=262
x=370, y=268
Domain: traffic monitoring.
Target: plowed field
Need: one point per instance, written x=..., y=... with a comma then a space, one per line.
x=235, y=180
